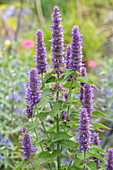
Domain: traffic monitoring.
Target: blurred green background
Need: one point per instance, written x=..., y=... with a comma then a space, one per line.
x=19, y=21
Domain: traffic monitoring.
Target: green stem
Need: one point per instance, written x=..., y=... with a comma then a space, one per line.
x=84, y=158
x=69, y=167
x=69, y=95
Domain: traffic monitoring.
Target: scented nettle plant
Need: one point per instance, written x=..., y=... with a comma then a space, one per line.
x=69, y=139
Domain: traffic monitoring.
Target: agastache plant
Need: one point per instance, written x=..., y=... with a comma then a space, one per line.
x=109, y=164
x=57, y=41
x=40, y=54
x=59, y=107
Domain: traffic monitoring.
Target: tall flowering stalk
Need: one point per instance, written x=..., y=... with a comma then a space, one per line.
x=28, y=149
x=57, y=40
x=32, y=93
x=109, y=164
x=84, y=74
x=88, y=98
x=40, y=53
x=84, y=132
x=96, y=141
x=76, y=50
x=68, y=56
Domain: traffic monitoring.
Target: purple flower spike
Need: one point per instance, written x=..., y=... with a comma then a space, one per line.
x=27, y=147
x=109, y=164
x=29, y=111
x=57, y=40
x=33, y=89
x=40, y=53
x=84, y=132
x=68, y=53
x=76, y=50
x=96, y=141
x=87, y=98
x=84, y=74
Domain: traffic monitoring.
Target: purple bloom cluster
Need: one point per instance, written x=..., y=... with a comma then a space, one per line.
x=109, y=164
x=84, y=132
x=76, y=50
x=84, y=74
x=33, y=93
x=57, y=40
x=96, y=141
x=68, y=56
x=40, y=53
x=87, y=98
x=27, y=147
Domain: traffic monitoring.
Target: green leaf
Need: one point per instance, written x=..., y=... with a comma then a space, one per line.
x=67, y=144
x=99, y=125
x=69, y=103
x=102, y=166
x=56, y=109
x=51, y=79
x=46, y=78
x=98, y=114
x=75, y=84
x=67, y=74
x=30, y=127
x=91, y=165
x=96, y=155
x=59, y=136
x=46, y=92
x=23, y=125
x=52, y=129
x=43, y=102
x=86, y=80
x=19, y=166
x=97, y=148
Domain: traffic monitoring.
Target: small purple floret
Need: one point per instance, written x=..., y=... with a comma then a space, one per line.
x=68, y=56
x=40, y=53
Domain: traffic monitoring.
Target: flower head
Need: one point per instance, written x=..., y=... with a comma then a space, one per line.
x=40, y=53
x=82, y=84
x=109, y=164
x=27, y=147
x=87, y=98
x=84, y=132
x=57, y=40
x=96, y=141
x=76, y=50
x=92, y=64
x=33, y=89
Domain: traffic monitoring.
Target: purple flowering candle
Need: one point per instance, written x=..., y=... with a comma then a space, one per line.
x=87, y=98
x=109, y=164
x=57, y=40
x=33, y=89
x=76, y=50
x=40, y=53
x=83, y=74
x=26, y=144
x=68, y=53
x=96, y=141
x=84, y=132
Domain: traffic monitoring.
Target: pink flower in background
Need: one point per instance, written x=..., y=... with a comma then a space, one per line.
x=28, y=44
x=92, y=63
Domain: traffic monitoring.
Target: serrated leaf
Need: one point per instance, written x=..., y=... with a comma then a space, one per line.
x=46, y=78
x=91, y=165
x=52, y=129
x=56, y=109
x=67, y=144
x=46, y=92
x=96, y=155
x=98, y=114
x=59, y=136
x=51, y=79
x=99, y=125
x=43, y=102
x=23, y=125
x=19, y=166
x=97, y=148
x=67, y=74
x=74, y=103
x=30, y=127
x=86, y=80
x=75, y=84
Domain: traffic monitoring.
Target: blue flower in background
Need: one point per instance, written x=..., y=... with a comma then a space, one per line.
x=9, y=12
x=107, y=92
x=7, y=142
x=15, y=97
x=22, y=85
x=41, y=134
x=27, y=11
x=1, y=107
x=0, y=157
x=18, y=111
x=22, y=92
